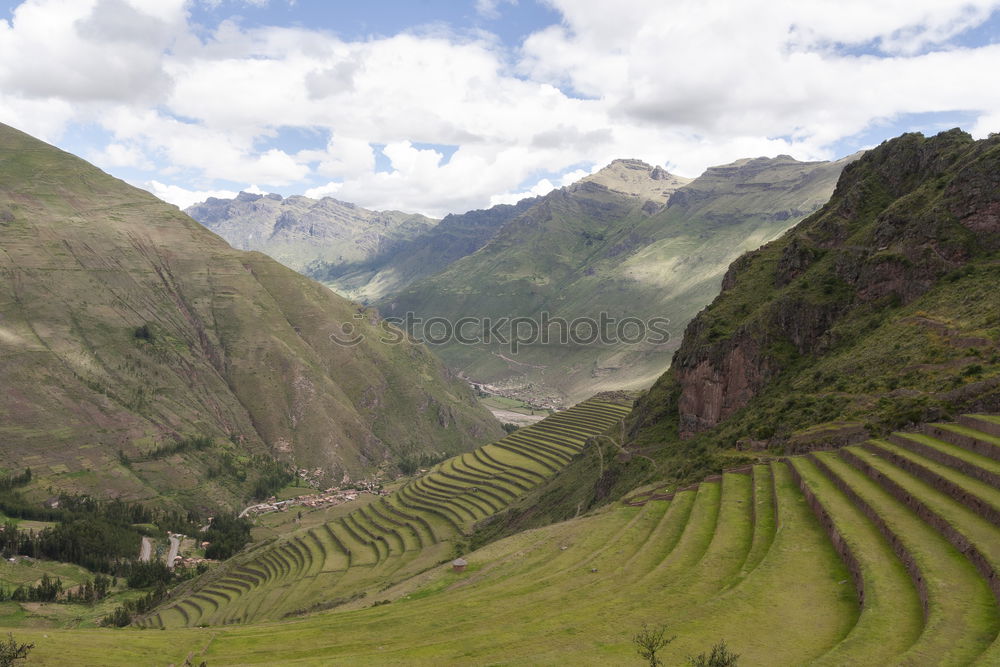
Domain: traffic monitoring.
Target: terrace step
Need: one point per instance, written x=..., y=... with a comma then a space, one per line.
x=763, y=517
x=968, y=438
x=978, y=496
x=974, y=465
x=961, y=612
x=966, y=529
x=892, y=615
x=989, y=424
x=376, y=542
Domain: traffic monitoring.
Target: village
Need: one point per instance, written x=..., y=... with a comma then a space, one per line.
x=329, y=498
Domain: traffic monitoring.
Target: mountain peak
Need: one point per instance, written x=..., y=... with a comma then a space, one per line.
x=638, y=179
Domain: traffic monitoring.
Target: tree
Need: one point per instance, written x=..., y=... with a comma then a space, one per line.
x=650, y=640
x=720, y=656
x=11, y=652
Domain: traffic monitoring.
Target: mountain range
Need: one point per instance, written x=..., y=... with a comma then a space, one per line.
x=631, y=241
x=300, y=232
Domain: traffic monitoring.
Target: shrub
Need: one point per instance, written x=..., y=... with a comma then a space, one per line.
x=648, y=641
x=720, y=656
x=12, y=652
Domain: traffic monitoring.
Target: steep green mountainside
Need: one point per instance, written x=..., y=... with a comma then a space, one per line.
x=391, y=270
x=879, y=310
x=299, y=231
x=125, y=326
x=631, y=241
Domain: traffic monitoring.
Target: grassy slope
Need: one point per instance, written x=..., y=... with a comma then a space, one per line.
x=394, y=268
x=586, y=250
x=742, y=557
x=528, y=600
x=240, y=349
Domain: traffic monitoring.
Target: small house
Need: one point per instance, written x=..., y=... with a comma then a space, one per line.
x=459, y=565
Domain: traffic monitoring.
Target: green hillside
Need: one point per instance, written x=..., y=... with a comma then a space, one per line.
x=398, y=265
x=127, y=329
x=414, y=529
x=863, y=556
x=878, y=311
x=630, y=241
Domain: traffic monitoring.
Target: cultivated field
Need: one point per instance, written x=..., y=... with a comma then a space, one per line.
x=882, y=553
x=386, y=541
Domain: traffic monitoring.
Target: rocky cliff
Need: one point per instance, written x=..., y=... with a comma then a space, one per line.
x=883, y=303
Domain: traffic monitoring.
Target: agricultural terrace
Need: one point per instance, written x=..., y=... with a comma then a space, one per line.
x=408, y=532
x=880, y=553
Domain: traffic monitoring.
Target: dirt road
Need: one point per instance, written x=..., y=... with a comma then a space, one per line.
x=508, y=416
x=146, y=550
x=175, y=544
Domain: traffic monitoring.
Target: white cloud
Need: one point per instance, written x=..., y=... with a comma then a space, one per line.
x=490, y=9
x=343, y=157
x=542, y=187
x=671, y=82
x=121, y=155
x=986, y=125
x=45, y=119
x=181, y=197
x=328, y=190
x=89, y=50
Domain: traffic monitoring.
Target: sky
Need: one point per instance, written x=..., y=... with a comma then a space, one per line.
x=437, y=107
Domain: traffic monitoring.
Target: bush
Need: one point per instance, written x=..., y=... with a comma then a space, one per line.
x=144, y=333
x=12, y=653
x=720, y=656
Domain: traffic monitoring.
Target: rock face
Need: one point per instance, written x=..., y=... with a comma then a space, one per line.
x=902, y=218
x=634, y=178
x=125, y=325
x=299, y=231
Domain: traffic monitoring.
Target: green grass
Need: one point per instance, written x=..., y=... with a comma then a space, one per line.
x=892, y=617
x=429, y=515
x=293, y=491
x=972, y=433
x=950, y=450
x=985, y=494
x=742, y=558
x=962, y=613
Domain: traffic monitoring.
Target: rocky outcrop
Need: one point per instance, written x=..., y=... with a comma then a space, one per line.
x=902, y=218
